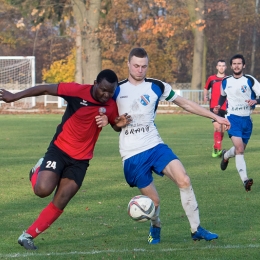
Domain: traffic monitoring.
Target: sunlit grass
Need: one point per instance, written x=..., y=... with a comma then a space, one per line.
x=95, y=224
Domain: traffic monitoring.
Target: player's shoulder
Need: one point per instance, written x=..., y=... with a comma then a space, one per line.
x=249, y=77
x=67, y=84
x=161, y=84
x=122, y=82
x=73, y=89
x=75, y=84
x=212, y=77
x=153, y=80
x=227, y=78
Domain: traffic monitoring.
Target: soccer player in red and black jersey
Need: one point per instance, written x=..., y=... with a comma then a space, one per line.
x=63, y=168
x=213, y=85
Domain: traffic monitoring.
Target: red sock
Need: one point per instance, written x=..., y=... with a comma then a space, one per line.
x=45, y=219
x=217, y=140
x=34, y=177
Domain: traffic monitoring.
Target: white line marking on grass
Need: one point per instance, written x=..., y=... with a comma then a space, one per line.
x=35, y=253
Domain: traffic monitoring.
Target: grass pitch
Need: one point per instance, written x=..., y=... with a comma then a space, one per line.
x=95, y=224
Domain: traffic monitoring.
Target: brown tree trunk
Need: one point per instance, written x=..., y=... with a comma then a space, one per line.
x=196, y=11
x=252, y=69
x=78, y=66
x=87, y=18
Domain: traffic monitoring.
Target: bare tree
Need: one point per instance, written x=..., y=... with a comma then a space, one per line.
x=196, y=11
x=254, y=41
x=88, y=53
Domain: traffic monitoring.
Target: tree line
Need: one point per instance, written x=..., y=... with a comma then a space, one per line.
x=184, y=38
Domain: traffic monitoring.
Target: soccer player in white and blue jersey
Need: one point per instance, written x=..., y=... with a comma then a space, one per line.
x=240, y=90
x=143, y=150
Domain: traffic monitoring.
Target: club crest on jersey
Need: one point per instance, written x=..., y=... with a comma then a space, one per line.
x=243, y=88
x=145, y=100
x=102, y=110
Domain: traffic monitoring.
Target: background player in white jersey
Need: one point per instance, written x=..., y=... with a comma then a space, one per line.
x=142, y=149
x=240, y=90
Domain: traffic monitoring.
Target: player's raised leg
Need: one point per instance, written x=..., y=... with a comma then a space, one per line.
x=33, y=174
x=66, y=190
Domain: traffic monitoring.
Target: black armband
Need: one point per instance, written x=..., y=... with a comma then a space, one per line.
x=222, y=100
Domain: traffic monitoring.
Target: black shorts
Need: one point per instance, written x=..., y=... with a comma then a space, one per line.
x=221, y=113
x=59, y=162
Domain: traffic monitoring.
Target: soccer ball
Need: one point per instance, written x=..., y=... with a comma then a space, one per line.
x=141, y=208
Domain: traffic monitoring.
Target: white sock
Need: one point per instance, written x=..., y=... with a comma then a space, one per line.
x=190, y=206
x=230, y=153
x=241, y=166
x=155, y=220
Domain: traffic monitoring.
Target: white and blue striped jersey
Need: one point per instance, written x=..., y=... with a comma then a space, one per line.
x=237, y=91
x=141, y=103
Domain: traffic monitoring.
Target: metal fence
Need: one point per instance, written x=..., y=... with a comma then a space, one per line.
x=194, y=95
x=180, y=85
x=182, y=89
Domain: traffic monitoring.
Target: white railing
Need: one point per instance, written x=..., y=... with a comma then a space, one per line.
x=194, y=95
x=56, y=100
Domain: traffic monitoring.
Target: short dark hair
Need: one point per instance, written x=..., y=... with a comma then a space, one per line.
x=137, y=52
x=221, y=60
x=238, y=56
x=108, y=75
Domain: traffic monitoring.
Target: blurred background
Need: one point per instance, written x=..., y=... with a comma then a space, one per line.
x=72, y=40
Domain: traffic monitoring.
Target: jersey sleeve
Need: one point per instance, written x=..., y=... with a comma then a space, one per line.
x=168, y=94
x=256, y=88
x=68, y=89
x=222, y=87
x=114, y=113
x=207, y=85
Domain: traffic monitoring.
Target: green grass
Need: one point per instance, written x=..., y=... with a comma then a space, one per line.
x=95, y=224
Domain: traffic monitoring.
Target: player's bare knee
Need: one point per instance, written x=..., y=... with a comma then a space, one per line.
x=41, y=191
x=184, y=182
x=240, y=151
x=156, y=202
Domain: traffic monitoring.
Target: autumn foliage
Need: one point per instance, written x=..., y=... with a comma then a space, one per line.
x=61, y=70
x=164, y=28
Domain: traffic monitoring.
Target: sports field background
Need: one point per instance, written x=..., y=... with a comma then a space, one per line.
x=95, y=224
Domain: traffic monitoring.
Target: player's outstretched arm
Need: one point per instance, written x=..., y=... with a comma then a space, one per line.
x=30, y=92
x=6, y=96
x=122, y=121
x=223, y=121
x=195, y=108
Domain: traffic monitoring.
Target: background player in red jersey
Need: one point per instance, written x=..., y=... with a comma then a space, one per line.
x=89, y=108
x=213, y=85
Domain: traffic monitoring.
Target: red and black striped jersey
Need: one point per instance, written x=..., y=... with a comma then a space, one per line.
x=213, y=84
x=77, y=133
